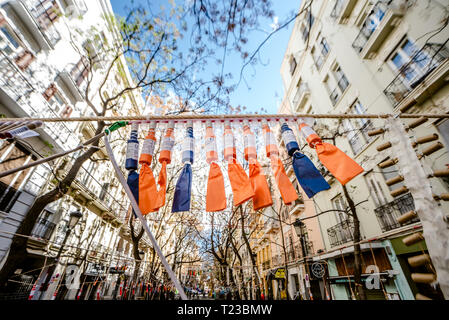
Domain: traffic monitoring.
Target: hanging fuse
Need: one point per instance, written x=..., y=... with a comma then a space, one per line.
x=188, y=144
x=270, y=141
x=210, y=144
x=229, y=152
x=249, y=140
x=309, y=134
x=132, y=149
x=147, y=153
x=289, y=139
x=168, y=141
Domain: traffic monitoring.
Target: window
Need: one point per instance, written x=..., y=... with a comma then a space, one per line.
x=338, y=82
x=324, y=47
x=389, y=173
x=364, y=125
x=339, y=204
x=57, y=102
x=46, y=12
x=8, y=43
x=409, y=64
x=80, y=71
x=354, y=138
x=342, y=82
x=320, y=52
x=443, y=128
x=375, y=189
x=308, y=23
x=292, y=65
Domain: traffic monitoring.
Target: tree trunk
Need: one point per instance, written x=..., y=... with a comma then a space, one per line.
x=250, y=251
x=359, y=292
x=17, y=252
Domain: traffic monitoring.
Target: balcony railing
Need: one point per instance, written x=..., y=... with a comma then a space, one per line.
x=370, y=25
x=17, y=86
x=414, y=72
x=388, y=213
x=43, y=229
x=341, y=233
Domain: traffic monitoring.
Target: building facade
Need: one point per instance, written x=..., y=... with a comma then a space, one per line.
x=359, y=57
x=44, y=73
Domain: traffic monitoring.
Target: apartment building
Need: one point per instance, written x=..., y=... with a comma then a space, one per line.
x=43, y=73
x=361, y=56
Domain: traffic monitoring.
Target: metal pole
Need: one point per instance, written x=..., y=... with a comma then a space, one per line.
x=142, y=219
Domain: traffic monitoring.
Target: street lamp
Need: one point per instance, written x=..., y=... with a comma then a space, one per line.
x=299, y=229
x=75, y=216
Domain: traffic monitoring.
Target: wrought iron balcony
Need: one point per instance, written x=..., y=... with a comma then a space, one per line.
x=43, y=229
x=388, y=213
x=420, y=66
x=341, y=233
x=383, y=18
x=39, y=16
x=31, y=104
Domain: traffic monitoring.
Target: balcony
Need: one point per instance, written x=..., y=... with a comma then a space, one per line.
x=431, y=64
x=388, y=213
x=66, y=78
x=383, y=18
x=301, y=96
x=43, y=229
x=271, y=226
x=342, y=10
x=297, y=206
x=39, y=20
x=341, y=233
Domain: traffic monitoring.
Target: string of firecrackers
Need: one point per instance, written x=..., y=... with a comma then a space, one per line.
x=244, y=187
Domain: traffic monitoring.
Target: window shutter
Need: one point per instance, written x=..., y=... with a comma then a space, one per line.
x=2, y=20
x=24, y=59
x=66, y=112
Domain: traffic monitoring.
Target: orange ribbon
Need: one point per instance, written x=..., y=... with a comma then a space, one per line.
x=215, y=194
x=285, y=186
x=240, y=183
x=342, y=167
x=262, y=194
x=147, y=189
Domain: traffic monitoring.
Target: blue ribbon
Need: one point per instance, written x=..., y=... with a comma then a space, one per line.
x=181, y=199
x=308, y=175
x=133, y=183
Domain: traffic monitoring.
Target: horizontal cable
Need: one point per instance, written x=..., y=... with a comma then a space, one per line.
x=231, y=117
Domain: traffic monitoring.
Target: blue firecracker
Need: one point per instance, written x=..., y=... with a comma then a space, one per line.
x=183, y=190
x=133, y=183
x=132, y=149
x=306, y=173
x=289, y=139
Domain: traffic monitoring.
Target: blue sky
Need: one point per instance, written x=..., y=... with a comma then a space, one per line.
x=263, y=86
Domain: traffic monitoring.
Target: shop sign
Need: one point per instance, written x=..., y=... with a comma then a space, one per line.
x=280, y=273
